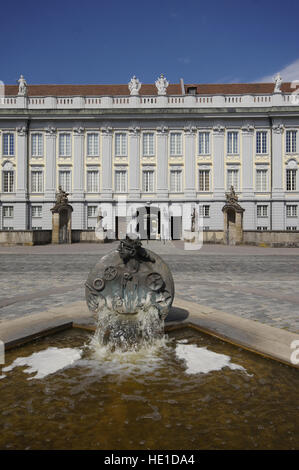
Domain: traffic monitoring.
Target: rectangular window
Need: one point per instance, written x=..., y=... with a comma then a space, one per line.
x=176, y=181
x=291, y=141
x=176, y=143
x=93, y=144
x=289, y=228
x=262, y=211
x=8, y=144
x=232, y=142
x=148, y=144
x=204, y=143
x=65, y=180
x=8, y=181
x=261, y=180
x=36, y=211
x=92, y=211
x=204, y=211
x=261, y=142
x=37, y=145
x=261, y=228
x=291, y=180
x=204, y=180
x=7, y=211
x=121, y=181
x=292, y=210
x=65, y=145
x=36, y=181
x=233, y=179
x=93, y=181
x=148, y=181
x=121, y=144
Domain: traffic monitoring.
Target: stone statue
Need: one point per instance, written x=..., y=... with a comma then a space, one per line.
x=61, y=198
x=22, y=86
x=278, y=83
x=231, y=197
x=161, y=84
x=193, y=216
x=134, y=86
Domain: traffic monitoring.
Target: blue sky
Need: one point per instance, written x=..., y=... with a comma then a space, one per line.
x=110, y=41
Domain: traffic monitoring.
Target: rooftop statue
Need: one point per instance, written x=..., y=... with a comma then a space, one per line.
x=161, y=84
x=134, y=86
x=22, y=86
x=278, y=83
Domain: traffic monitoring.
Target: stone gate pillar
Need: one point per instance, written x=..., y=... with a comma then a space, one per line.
x=233, y=220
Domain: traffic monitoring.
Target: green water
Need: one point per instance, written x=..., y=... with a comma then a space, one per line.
x=149, y=401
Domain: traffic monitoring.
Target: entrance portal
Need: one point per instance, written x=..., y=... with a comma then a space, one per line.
x=148, y=222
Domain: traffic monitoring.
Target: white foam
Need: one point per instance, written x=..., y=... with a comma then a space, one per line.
x=201, y=360
x=46, y=362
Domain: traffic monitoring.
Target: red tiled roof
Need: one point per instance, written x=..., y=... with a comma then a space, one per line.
x=147, y=89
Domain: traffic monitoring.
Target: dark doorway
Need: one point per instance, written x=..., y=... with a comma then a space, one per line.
x=63, y=223
x=176, y=227
x=148, y=222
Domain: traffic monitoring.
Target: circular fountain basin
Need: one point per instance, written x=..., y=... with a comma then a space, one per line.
x=187, y=391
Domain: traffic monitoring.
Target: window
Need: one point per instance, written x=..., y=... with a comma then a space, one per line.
x=191, y=90
x=262, y=211
x=261, y=228
x=289, y=228
x=292, y=210
x=121, y=144
x=232, y=142
x=176, y=181
x=148, y=143
x=93, y=181
x=65, y=145
x=176, y=143
x=36, y=181
x=7, y=211
x=65, y=180
x=37, y=145
x=8, y=144
x=291, y=141
x=7, y=228
x=204, y=180
x=261, y=142
x=37, y=228
x=8, y=181
x=261, y=180
x=92, y=144
x=204, y=211
x=121, y=181
x=233, y=179
x=148, y=181
x=291, y=179
x=204, y=143
x=92, y=211
x=36, y=211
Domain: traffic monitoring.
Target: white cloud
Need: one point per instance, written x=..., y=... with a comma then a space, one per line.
x=288, y=73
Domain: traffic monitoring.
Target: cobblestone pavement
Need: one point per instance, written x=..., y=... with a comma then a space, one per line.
x=256, y=283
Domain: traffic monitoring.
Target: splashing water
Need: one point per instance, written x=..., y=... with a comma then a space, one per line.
x=128, y=332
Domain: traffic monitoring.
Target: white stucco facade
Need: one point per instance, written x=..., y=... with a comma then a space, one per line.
x=149, y=160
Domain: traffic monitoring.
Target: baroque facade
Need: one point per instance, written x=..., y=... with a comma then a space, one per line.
x=149, y=154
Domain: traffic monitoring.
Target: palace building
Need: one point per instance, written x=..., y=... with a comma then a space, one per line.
x=150, y=155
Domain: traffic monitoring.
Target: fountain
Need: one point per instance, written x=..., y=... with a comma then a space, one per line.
x=130, y=291
x=131, y=387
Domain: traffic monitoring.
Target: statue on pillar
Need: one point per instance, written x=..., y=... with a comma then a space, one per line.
x=61, y=218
